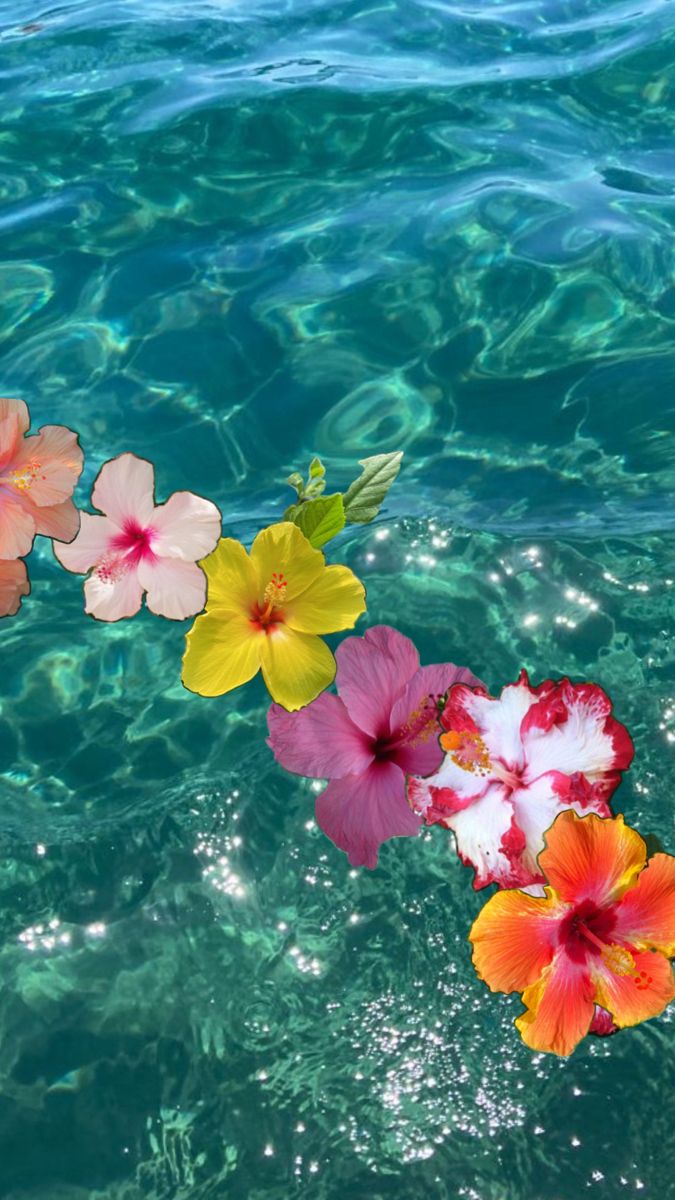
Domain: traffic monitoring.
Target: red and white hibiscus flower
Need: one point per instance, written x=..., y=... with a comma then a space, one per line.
x=512, y=764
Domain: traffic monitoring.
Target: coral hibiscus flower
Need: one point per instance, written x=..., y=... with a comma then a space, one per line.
x=37, y=478
x=264, y=610
x=601, y=935
x=13, y=585
x=382, y=724
x=141, y=547
x=513, y=763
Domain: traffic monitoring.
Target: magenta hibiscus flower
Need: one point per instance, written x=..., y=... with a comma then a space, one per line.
x=512, y=764
x=382, y=725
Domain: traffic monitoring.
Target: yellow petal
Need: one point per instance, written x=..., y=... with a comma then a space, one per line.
x=332, y=602
x=232, y=580
x=222, y=653
x=296, y=666
x=284, y=549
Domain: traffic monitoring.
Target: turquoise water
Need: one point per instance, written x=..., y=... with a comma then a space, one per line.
x=236, y=234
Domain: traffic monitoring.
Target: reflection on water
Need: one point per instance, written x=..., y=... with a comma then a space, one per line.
x=235, y=235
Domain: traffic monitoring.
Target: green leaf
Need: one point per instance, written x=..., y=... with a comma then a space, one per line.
x=364, y=497
x=316, y=469
x=321, y=519
x=291, y=512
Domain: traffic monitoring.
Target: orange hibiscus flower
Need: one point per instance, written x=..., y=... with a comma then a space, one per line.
x=602, y=934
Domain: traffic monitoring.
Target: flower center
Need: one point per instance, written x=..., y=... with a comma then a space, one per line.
x=126, y=550
x=589, y=926
x=268, y=613
x=467, y=750
x=23, y=478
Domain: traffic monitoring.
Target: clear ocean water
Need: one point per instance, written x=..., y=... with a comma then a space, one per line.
x=235, y=234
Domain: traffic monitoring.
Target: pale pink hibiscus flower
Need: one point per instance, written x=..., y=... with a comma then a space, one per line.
x=139, y=547
x=37, y=478
x=512, y=764
x=383, y=723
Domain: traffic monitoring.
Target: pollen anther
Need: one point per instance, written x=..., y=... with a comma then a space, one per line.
x=467, y=750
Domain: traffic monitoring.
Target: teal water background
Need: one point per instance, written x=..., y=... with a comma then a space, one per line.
x=235, y=234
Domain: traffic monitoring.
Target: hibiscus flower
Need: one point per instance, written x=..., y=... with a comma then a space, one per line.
x=601, y=935
x=382, y=724
x=513, y=763
x=37, y=478
x=141, y=547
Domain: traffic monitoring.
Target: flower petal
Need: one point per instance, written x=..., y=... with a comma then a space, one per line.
x=646, y=914
x=636, y=997
x=58, y=460
x=448, y=790
x=232, y=580
x=13, y=585
x=489, y=840
x=15, y=408
x=221, y=654
x=176, y=589
x=514, y=937
x=59, y=521
x=497, y=721
x=320, y=741
x=112, y=600
x=372, y=672
x=17, y=528
x=559, y=1007
x=187, y=527
x=537, y=806
x=284, y=549
x=295, y=666
x=360, y=812
x=124, y=490
x=588, y=858
x=10, y=440
x=333, y=601
x=90, y=545
x=584, y=736
x=414, y=716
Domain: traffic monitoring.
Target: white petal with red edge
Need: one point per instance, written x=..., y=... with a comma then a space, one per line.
x=176, y=589
x=124, y=490
x=496, y=720
x=187, y=527
x=584, y=742
x=489, y=841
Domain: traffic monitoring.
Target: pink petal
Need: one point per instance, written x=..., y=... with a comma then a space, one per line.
x=61, y=521
x=10, y=440
x=583, y=737
x=57, y=459
x=319, y=741
x=124, y=490
x=360, y=812
x=372, y=671
x=13, y=585
x=89, y=547
x=112, y=600
x=16, y=408
x=603, y=1023
x=187, y=527
x=17, y=527
x=176, y=589
x=414, y=719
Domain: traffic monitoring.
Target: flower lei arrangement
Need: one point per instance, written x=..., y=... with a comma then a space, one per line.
x=582, y=923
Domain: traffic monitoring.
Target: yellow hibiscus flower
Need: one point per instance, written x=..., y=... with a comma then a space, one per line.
x=264, y=611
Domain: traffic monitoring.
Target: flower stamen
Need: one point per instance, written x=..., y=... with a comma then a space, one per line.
x=619, y=960
x=112, y=567
x=467, y=750
x=23, y=478
x=274, y=594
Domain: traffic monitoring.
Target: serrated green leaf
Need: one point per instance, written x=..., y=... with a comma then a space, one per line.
x=363, y=499
x=321, y=519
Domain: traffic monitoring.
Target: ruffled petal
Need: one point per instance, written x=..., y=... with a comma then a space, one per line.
x=13, y=586
x=112, y=600
x=580, y=735
x=17, y=528
x=221, y=654
x=320, y=741
x=232, y=580
x=497, y=721
x=333, y=601
x=186, y=527
x=414, y=717
x=295, y=666
x=646, y=914
x=54, y=459
x=537, y=806
x=92, y=543
x=283, y=549
x=360, y=812
x=488, y=839
x=588, y=858
x=372, y=672
x=176, y=589
x=448, y=790
x=514, y=937
x=560, y=1007
x=124, y=490
x=638, y=996
x=60, y=521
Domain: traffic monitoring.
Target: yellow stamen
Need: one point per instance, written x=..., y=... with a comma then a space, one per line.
x=23, y=478
x=467, y=750
x=619, y=960
x=274, y=594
